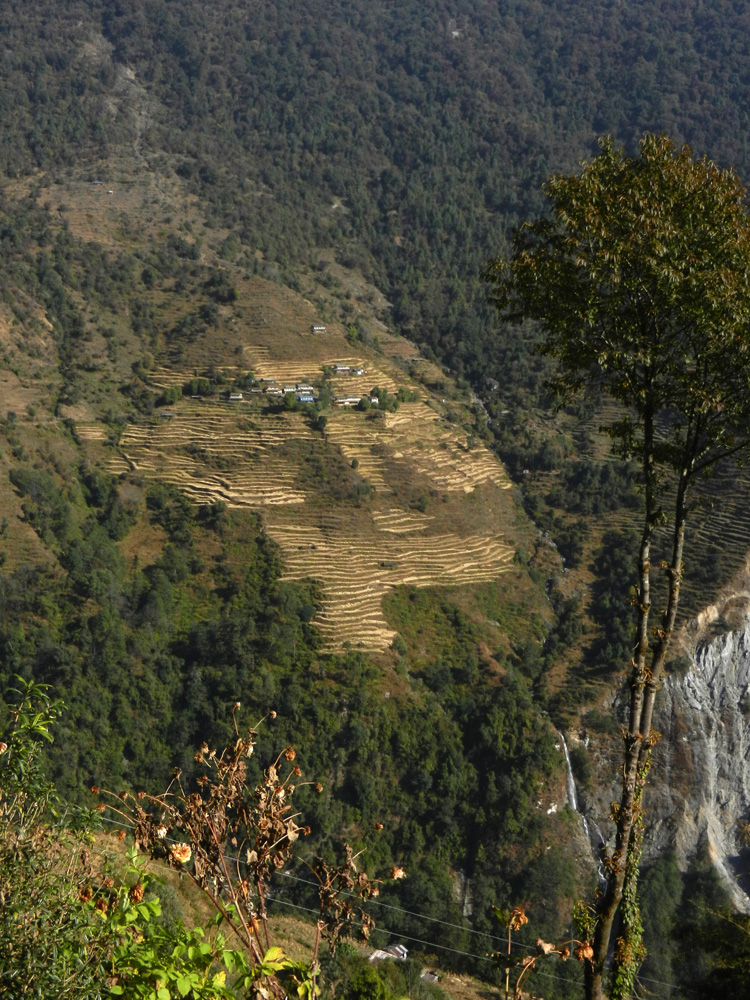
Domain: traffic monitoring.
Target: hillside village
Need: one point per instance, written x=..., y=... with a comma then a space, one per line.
x=412, y=468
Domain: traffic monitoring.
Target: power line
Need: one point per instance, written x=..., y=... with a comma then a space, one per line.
x=373, y=902
x=420, y=916
x=432, y=944
x=401, y=909
x=384, y=930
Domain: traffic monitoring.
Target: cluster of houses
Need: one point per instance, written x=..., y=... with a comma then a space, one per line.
x=351, y=400
x=303, y=392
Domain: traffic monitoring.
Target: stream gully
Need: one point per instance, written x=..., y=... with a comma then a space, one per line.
x=593, y=833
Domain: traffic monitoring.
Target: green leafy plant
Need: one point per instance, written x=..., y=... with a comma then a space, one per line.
x=50, y=944
x=149, y=958
x=193, y=832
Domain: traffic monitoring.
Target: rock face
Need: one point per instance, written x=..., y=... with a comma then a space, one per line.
x=698, y=791
x=699, y=788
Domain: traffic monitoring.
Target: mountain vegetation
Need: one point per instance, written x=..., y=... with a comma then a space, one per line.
x=627, y=280
x=182, y=183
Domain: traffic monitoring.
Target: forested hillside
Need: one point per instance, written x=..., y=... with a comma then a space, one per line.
x=431, y=126
x=182, y=185
x=406, y=141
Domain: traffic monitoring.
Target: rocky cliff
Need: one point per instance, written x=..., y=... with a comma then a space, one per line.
x=698, y=795
x=700, y=790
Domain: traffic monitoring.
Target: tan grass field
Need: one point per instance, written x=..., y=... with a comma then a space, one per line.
x=238, y=453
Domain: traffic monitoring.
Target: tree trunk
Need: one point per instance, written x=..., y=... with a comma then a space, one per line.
x=644, y=683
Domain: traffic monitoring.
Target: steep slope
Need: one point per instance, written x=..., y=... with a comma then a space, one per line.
x=702, y=778
x=384, y=466
x=143, y=582
x=187, y=189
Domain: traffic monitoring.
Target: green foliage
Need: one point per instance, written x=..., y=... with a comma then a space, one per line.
x=641, y=283
x=154, y=960
x=611, y=600
x=47, y=508
x=220, y=287
x=581, y=765
x=598, y=722
x=661, y=901
x=198, y=387
x=590, y=488
x=385, y=400
x=171, y=395
x=49, y=944
x=366, y=984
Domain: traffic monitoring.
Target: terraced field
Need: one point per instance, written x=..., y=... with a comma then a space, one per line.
x=359, y=563
x=92, y=432
x=213, y=452
x=439, y=454
x=401, y=522
x=363, y=441
x=239, y=453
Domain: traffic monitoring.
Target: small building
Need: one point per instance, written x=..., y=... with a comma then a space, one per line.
x=397, y=951
x=234, y=397
x=347, y=400
x=289, y=388
x=341, y=369
x=356, y=371
x=303, y=387
x=317, y=328
x=305, y=397
x=273, y=390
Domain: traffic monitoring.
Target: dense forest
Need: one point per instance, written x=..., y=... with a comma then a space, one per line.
x=406, y=141
x=433, y=127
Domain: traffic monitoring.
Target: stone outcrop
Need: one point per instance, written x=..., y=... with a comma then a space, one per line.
x=699, y=790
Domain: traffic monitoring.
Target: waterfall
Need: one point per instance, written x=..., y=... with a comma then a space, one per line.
x=570, y=785
x=588, y=828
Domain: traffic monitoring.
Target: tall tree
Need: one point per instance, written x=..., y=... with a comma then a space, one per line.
x=640, y=280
